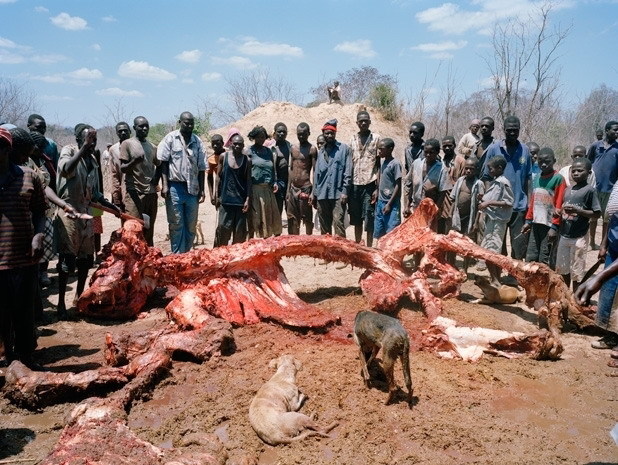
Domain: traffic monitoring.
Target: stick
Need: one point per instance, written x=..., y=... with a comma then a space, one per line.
x=123, y=216
x=17, y=460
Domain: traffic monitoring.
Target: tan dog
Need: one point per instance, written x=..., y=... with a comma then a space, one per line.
x=273, y=412
x=373, y=331
x=496, y=295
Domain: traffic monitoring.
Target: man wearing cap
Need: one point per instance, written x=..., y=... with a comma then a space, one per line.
x=332, y=181
x=469, y=140
x=363, y=196
x=22, y=222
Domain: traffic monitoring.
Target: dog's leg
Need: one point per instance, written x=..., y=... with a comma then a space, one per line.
x=364, y=370
x=405, y=363
x=388, y=366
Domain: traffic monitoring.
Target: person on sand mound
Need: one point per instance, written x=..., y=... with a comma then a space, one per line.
x=334, y=93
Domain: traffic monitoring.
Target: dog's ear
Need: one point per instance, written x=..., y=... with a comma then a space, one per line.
x=298, y=364
x=274, y=363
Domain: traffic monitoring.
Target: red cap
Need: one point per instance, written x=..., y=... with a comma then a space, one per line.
x=6, y=135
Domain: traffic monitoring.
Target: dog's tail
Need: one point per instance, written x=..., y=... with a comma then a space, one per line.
x=405, y=362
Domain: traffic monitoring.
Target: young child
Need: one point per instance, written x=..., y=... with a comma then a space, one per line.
x=581, y=203
x=320, y=141
x=388, y=206
x=465, y=199
x=543, y=217
x=497, y=204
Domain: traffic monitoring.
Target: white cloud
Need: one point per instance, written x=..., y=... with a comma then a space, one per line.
x=361, y=48
x=41, y=9
x=7, y=43
x=187, y=81
x=118, y=92
x=254, y=47
x=450, y=18
x=8, y=58
x=108, y=19
x=96, y=47
x=49, y=78
x=211, y=76
x=57, y=98
x=48, y=59
x=440, y=46
x=68, y=22
x=144, y=70
x=85, y=74
x=235, y=61
x=189, y=56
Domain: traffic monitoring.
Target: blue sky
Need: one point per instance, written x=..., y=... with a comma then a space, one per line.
x=159, y=58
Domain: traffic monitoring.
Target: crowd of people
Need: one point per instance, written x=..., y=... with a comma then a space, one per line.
x=484, y=187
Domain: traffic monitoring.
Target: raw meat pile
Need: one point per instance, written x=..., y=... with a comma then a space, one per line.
x=243, y=284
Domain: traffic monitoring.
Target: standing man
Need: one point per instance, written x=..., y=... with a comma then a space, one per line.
x=78, y=185
x=138, y=163
x=300, y=191
x=281, y=150
x=518, y=172
x=116, y=182
x=604, y=157
x=413, y=151
x=216, y=143
x=468, y=142
x=332, y=179
x=487, y=128
x=36, y=123
x=22, y=221
x=364, y=192
x=183, y=170
x=233, y=194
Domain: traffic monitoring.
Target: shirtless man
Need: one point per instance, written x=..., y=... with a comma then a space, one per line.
x=298, y=201
x=281, y=149
x=216, y=143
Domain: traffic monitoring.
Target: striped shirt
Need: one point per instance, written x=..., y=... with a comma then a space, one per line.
x=21, y=197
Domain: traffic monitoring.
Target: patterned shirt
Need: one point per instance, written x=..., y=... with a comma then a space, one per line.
x=185, y=160
x=546, y=199
x=21, y=197
x=364, y=166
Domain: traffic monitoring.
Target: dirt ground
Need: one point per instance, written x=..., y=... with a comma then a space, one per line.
x=492, y=411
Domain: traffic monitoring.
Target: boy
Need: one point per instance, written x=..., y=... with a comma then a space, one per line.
x=579, y=151
x=545, y=202
x=581, y=203
x=465, y=199
x=497, y=204
x=388, y=205
x=216, y=143
x=427, y=178
x=320, y=141
x=232, y=194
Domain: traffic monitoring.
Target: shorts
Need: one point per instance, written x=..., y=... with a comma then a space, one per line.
x=360, y=207
x=493, y=237
x=603, y=200
x=571, y=256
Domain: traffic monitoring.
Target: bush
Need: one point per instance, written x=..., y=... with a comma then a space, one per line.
x=384, y=98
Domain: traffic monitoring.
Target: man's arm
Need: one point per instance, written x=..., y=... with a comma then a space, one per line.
x=201, y=175
x=214, y=191
x=347, y=175
x=247, y=204
x=127, y=160
x=88, y=148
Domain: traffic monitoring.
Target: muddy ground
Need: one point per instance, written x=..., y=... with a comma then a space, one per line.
x=492, y=411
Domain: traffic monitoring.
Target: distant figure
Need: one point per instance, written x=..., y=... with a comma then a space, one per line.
x=469, y=140
x=334, y=93
x=217, y=145
x=123, y=131
x=536, y=171
x=579, y=151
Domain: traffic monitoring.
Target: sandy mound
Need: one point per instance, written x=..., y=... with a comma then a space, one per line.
x=271, y=113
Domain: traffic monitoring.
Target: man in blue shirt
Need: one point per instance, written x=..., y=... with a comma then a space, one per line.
x=332, y=181
x=604, y=157
x=518, y=171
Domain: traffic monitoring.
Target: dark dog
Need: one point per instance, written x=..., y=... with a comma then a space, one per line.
x=373, y=331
